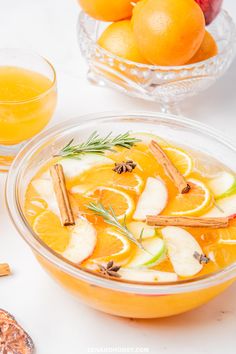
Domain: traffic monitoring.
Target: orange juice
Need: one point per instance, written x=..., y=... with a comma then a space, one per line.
x=114, y=195
x=27, y=102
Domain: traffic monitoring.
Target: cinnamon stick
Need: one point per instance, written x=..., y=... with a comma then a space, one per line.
x=169, y=168
x=187, y=221
x=4, y=269
x=59, y=185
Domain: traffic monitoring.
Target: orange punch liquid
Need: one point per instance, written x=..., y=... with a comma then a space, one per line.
x=170, y=253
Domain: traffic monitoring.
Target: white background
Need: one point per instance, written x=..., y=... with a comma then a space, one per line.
x=57, y=323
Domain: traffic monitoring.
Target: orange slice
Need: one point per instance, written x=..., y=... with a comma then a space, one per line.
x=48, y=227
x=111, y=245
x=227, y=236
x=180, y=159
x=141, y=155
x=121, y=203
x=129, y=181
x=196, y=202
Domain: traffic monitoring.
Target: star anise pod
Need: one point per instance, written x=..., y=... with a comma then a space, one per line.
x=13, y=339
x=110, y=270
x=202, y=258
x=124, y=166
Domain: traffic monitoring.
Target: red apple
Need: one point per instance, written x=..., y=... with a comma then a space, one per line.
x=211, y=8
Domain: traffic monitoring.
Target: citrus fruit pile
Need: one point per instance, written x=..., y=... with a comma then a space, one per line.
x=157, y=32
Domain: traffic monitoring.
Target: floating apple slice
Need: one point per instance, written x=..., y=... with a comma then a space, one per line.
x=154, y=252
x=147, y=275
x=224, y=207
x=82, y=242
x=45, y=190
x=153, y=199
x=223, y=186
x=181, y=247
x=138, y=228
x=75, y=167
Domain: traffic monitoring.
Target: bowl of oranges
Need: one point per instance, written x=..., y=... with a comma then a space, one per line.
x=158, y=50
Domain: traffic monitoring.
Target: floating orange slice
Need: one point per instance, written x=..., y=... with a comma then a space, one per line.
x=121, y=203
x=48, y=227
x=106, y=176
x=111, y=245
x=196, y=202
x=182, y=161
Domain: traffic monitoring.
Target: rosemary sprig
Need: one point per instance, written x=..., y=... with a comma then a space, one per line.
x=97, y=145
x=110, y=218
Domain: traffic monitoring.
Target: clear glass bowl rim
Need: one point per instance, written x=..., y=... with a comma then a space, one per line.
x=18, y=219
x=41, y=95
x=209, y=61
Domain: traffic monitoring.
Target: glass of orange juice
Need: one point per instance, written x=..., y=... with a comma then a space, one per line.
x=28, y=95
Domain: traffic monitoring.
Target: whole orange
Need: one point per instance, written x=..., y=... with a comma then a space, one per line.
x=108, y=10
x=118, y=38
x=168, y=32
x=207, y=49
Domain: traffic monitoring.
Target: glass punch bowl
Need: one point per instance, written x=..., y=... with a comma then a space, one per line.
x=165, y=84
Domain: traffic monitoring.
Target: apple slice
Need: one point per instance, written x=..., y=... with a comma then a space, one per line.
x=181, y=246
x=153, y=199
x=224, y=207
x=82, y=243
x=223, y=186
x=138, y=228
x=45, y=190
x=147, y=275
x=154, y=252
x=74, y=167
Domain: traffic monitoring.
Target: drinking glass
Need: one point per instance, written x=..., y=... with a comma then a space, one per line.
x=28, y=96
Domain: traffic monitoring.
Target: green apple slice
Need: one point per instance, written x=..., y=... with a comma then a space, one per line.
x=138, y=228
x=223, y=207
x=181, y=247
x=154, y=252
x=75, y=167
x=148, y=137
x=153, y=199
x=223, y=186
x=82, y=243
x=147, y=275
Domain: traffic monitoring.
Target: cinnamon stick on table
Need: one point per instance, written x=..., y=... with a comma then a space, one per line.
x=169, y=168
x=63, y=201
x=4, y=269
x=187, y=221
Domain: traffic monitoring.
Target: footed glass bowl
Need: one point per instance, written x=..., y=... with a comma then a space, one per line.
x=165, y=84
x=128, y=299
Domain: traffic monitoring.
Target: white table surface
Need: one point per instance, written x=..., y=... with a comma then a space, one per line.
x=57, y=323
